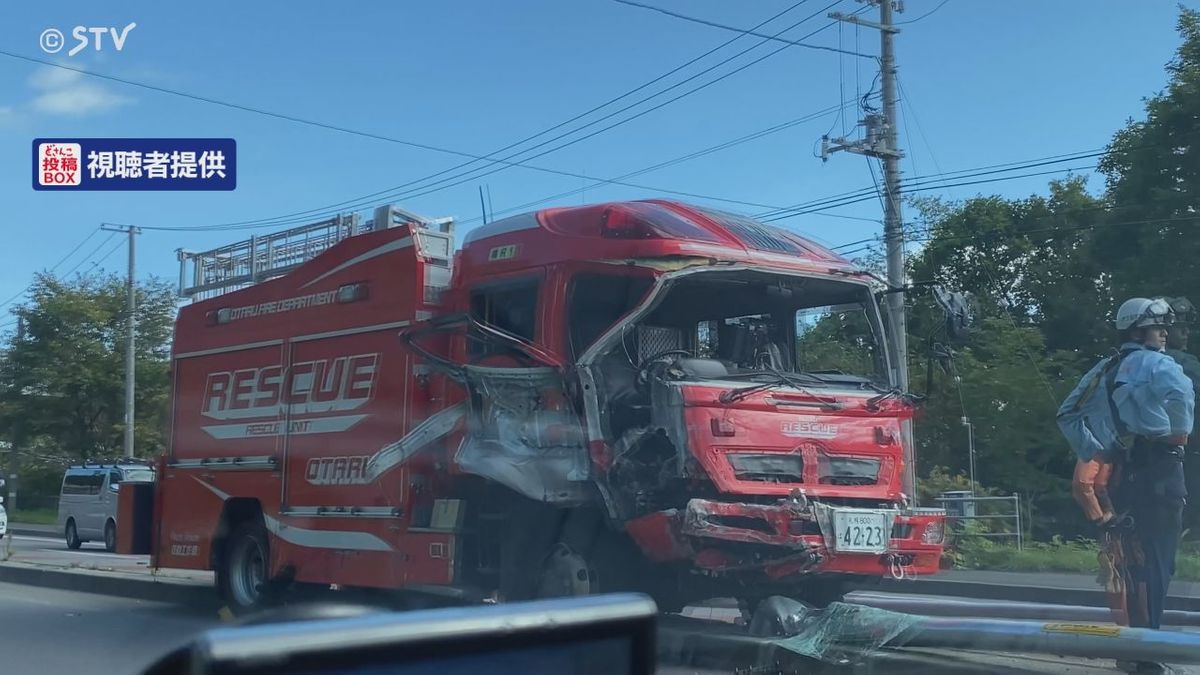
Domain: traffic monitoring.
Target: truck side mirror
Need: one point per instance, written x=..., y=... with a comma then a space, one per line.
x=114, y=487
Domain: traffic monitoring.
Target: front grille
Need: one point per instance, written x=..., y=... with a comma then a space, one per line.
x=767, y=467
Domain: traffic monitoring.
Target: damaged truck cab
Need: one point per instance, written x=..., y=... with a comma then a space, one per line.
x=718, y=390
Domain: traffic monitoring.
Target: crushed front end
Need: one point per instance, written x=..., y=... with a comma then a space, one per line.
x=754, y=435
x=780, y=503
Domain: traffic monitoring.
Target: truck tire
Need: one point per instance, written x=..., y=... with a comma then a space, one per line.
x=71, y=533
x=243, y=568
x=559, y=554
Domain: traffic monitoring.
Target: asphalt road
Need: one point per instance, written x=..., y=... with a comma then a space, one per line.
x=48, y=631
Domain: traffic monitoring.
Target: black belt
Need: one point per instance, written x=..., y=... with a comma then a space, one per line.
x=1156, y=449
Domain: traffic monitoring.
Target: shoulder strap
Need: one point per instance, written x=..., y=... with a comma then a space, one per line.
x=1094, y=383
x=1110, y=377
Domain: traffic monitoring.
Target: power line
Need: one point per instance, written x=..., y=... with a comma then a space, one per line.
x=926, y=14
x=108, y=255
x=313, y=123
x=90, y=255
x=924, y=188
x=308, y=214
x=435, y=187
x=58, y=264
x=917, y=184
x=743, y=31
x=684, y=158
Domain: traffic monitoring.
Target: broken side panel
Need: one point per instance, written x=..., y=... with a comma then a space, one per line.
x=523, y=433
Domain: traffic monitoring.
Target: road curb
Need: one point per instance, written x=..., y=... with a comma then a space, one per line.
x=147, y=587
x=32, y=530
x=103, y=583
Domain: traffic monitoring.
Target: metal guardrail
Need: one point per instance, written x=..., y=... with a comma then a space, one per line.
x=965, y=508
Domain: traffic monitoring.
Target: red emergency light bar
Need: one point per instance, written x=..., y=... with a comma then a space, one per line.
x=631, y=220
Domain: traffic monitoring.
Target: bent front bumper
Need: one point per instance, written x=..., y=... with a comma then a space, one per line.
x=784, y=540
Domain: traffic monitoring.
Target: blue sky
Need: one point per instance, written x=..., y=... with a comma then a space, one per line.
x=987, y=83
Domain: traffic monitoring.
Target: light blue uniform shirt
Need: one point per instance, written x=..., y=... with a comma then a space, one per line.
x=1154, y=398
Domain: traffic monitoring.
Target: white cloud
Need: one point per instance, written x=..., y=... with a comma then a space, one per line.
x=68, y=92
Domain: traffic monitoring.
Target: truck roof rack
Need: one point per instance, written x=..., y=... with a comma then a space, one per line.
x=259, y=258
x=111, y=463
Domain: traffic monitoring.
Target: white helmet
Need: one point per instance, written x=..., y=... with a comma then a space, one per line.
x=1139, y=312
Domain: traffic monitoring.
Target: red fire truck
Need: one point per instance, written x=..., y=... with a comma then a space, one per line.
x=624, y=396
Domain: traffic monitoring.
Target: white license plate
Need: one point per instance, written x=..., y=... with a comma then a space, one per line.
x=861, y=532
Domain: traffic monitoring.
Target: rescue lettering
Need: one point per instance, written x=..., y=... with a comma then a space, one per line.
x=808, y=428
x=329, y=385
x=337, y=471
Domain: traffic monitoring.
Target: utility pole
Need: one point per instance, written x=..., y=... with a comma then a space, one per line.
x=18, y=440
x=882, y=143
x=131, y=326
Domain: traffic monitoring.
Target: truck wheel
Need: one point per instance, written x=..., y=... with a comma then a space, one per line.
x=565, y=574
x=110, y=536
x=242, y=573
x=72, y=535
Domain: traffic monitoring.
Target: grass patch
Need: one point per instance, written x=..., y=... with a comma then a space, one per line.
x=34, y=517
x=1073, y=557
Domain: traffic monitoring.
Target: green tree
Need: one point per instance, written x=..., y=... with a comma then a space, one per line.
x=1153, y=179
x=62, y=376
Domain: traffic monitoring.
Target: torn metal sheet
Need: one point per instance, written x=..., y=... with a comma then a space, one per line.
x=435, y=427
x=732, y=521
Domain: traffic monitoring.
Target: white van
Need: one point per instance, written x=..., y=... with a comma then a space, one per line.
x=87, y=503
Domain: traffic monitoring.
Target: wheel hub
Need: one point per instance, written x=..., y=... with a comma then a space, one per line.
x=565, y=574
x=247, y=573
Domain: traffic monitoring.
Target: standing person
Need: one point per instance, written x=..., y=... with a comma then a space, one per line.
x=1154, y=404
x=1177, y=338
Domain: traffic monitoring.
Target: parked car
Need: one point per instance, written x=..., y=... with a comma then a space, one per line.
x=3, y=513
x=87, y=503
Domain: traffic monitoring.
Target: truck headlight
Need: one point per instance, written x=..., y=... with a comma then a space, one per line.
x=935, y=533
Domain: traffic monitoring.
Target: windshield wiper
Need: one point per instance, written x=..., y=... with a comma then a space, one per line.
x=895, y=392
x=781, y=379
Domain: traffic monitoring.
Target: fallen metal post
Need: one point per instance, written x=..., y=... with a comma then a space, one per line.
x=848, y=631
x=1060, y=639
x=937, y=606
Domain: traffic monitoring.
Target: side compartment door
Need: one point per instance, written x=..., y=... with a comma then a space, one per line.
x=347, y=397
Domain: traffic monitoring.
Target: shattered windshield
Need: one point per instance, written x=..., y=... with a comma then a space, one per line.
x=755, y=323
